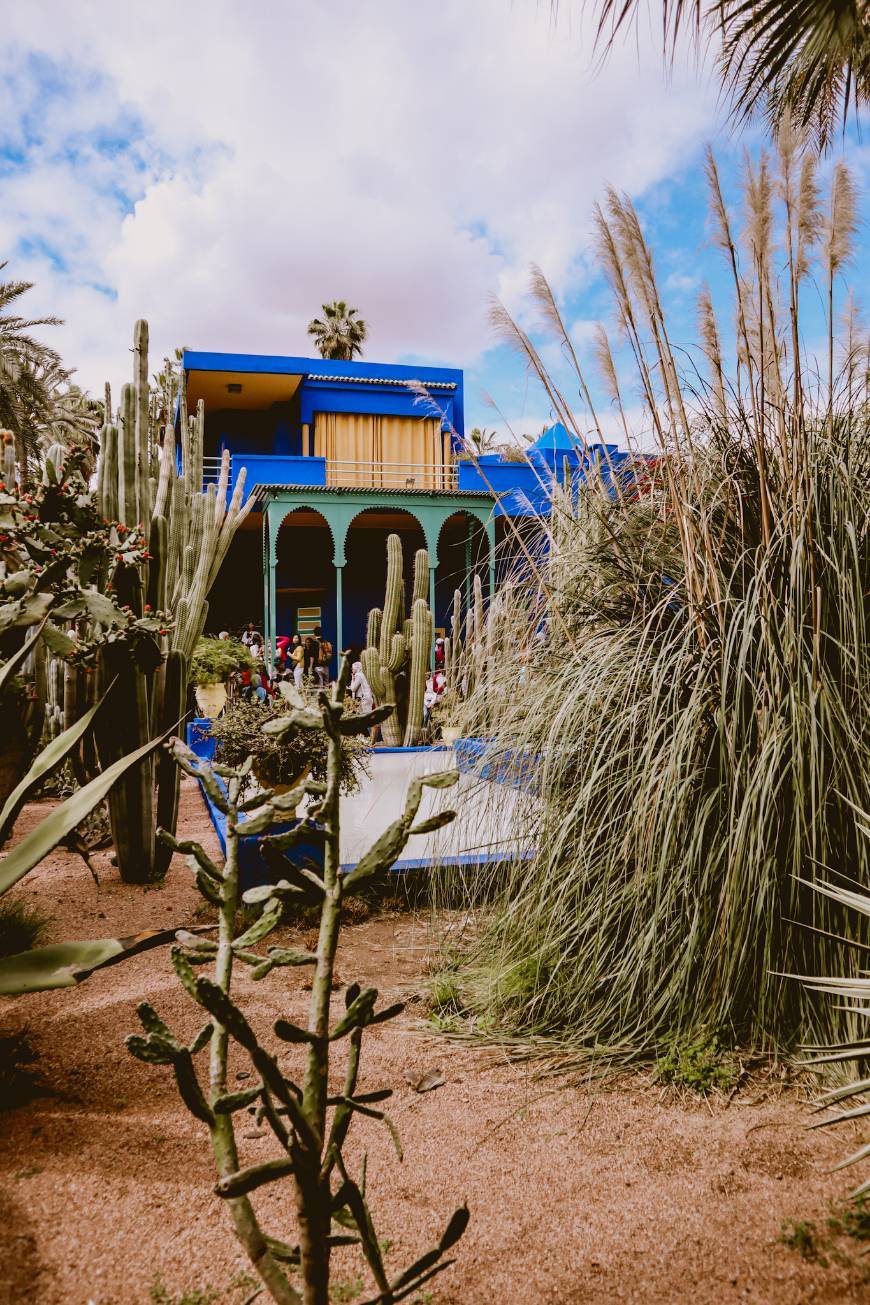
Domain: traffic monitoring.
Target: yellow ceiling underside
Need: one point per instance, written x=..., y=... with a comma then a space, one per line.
x=259, y=389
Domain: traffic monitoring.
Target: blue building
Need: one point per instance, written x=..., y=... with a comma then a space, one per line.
x=340, y=454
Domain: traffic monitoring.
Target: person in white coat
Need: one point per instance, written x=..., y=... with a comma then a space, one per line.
x=360, y=689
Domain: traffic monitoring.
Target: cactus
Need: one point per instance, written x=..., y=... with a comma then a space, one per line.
x=421, y=642
x=309, y=1126
x=188, y=532
x=395, y=643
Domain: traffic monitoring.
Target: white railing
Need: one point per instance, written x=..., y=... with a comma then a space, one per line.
x=211, y=471
x=390, y=475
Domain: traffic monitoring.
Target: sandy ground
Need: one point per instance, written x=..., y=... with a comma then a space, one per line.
x=616, y=1194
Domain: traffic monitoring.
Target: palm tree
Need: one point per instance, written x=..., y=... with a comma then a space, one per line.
x=340, y=333
x=805, y=59
x=30, y=373
x=480, y=441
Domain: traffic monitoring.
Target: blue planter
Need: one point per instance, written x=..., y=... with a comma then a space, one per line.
x=479, y=757
x=253, y=870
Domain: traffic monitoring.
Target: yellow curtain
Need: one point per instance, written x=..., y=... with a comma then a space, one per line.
x=399, y=452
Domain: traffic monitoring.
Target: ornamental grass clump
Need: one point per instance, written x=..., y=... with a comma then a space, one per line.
x=684, y=667
x=309, y=1123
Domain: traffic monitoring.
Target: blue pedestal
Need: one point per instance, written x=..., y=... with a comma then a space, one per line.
x=253, y=870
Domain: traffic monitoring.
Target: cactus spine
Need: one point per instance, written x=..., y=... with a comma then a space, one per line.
x=396, y=643
x=189, y=530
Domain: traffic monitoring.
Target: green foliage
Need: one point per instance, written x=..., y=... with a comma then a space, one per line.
x=443, y=993
x=340, y=333
x=850, y=1220
x=802, y=1236
x=309, y=1125
x=699, y=1063
x=853, y=994
x=22, y=925
x=61, y=965
x=810, y=61
x=34, y=386
x=340, y=1292
x=281, y=758
x=214, y=660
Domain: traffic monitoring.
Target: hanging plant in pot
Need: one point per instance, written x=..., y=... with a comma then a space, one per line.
x=212, y=664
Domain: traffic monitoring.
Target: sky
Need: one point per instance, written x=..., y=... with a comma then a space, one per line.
x=223, y=169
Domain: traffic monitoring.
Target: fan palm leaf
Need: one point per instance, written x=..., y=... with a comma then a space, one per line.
x=809, y=59
x=340, y=333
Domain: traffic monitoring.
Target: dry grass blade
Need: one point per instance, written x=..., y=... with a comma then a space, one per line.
x=695, y=751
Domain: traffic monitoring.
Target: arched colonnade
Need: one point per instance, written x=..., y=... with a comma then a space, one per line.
x=340, y=509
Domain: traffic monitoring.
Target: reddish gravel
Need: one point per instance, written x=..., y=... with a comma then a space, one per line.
x=618, y=1195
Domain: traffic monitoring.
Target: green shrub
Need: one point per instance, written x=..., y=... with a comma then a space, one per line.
x=802, y=1236
x=214, y=660
x=701, y=1064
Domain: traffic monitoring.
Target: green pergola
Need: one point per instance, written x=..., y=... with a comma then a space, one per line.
x=339, y=506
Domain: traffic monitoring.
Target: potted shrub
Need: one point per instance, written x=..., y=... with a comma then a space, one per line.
x=446, y=716
x=281, y=761
x=213, y=662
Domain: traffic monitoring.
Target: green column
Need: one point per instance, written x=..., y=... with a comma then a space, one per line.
x=271, y=622
x=468, y=521
x=339, y=618
x=265, y=572
x=490, y=537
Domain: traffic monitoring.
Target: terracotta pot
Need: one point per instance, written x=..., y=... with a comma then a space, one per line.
x=263, y=780
x=211, y=699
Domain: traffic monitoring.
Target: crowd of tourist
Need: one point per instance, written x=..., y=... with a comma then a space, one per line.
x=301, y=660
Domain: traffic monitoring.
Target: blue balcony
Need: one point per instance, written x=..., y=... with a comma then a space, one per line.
x=276, y=469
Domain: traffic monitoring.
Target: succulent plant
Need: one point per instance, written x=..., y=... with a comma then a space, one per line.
x=397, y=644
x=309, y=1125
x=62, y=965
x=187, y=531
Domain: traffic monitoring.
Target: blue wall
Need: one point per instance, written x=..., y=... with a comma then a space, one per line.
x=379, y=400
x=525, y=486
x=329, y=396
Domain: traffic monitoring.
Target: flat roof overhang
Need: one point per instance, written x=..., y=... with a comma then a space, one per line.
x=235, y=389
x=323, y=369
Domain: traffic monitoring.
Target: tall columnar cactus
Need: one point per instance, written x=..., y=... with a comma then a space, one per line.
x=421, y=642
x=188, y=529
x=396, y=643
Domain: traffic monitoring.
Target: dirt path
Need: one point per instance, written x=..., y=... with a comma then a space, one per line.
x=575, y=1197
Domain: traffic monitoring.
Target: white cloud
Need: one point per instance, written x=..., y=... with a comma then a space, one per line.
x=222, y=169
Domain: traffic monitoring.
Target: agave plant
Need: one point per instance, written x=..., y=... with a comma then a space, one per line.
x=854, y=992
x=62, y=965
